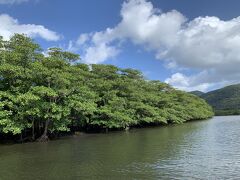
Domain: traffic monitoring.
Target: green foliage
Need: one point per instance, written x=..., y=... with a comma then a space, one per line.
x=43, y=96
x=225, y=101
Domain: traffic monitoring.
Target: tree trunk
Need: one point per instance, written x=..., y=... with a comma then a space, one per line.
x=106, y=130
x=33, y=130
x=44, y=136
x=21, y=138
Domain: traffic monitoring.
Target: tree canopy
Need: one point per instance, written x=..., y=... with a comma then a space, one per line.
x=45, y=95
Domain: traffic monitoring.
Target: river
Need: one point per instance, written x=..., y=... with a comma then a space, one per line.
x=207, y=149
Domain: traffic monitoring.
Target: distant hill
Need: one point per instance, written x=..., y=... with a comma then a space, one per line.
x=225, y=101
x=197, y=93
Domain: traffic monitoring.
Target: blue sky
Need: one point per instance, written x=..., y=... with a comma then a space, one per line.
x=194, y=47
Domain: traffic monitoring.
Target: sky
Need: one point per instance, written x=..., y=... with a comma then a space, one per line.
x=192, y=45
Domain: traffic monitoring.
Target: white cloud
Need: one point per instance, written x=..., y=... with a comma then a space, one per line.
x=83, y=38
x=9, y=26
x=140, y=24
x=208, y=45
x=180, y=81
x=99, y=53
x=204, y=81
x=12, y=1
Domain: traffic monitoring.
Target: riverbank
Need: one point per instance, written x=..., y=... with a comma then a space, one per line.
x=10, y=140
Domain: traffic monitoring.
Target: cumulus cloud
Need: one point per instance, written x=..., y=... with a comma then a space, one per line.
x=12, y=1
x=9, y=26
x=203, y=81
x=208, y=45
x=140, y=24
x=180, y=81
x=99, y=53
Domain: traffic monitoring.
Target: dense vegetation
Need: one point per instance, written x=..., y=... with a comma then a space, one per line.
x=41, y=96
x=225, y=101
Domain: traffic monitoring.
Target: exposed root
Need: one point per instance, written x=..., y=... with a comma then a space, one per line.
x=43, y=138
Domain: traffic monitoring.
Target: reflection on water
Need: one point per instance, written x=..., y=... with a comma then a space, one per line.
x=197, y=150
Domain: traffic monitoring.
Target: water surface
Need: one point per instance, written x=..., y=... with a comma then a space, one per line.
x=197, y=150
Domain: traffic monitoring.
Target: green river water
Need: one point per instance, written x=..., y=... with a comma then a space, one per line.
x=207, y=149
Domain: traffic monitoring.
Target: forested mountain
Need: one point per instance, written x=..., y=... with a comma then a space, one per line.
x=197, y=93
x=41, y=96
x=225, y=101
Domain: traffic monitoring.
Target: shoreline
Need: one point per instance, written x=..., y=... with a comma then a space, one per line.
x=100, y=131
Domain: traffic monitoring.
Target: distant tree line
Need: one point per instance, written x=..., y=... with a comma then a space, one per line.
x=44, y=95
